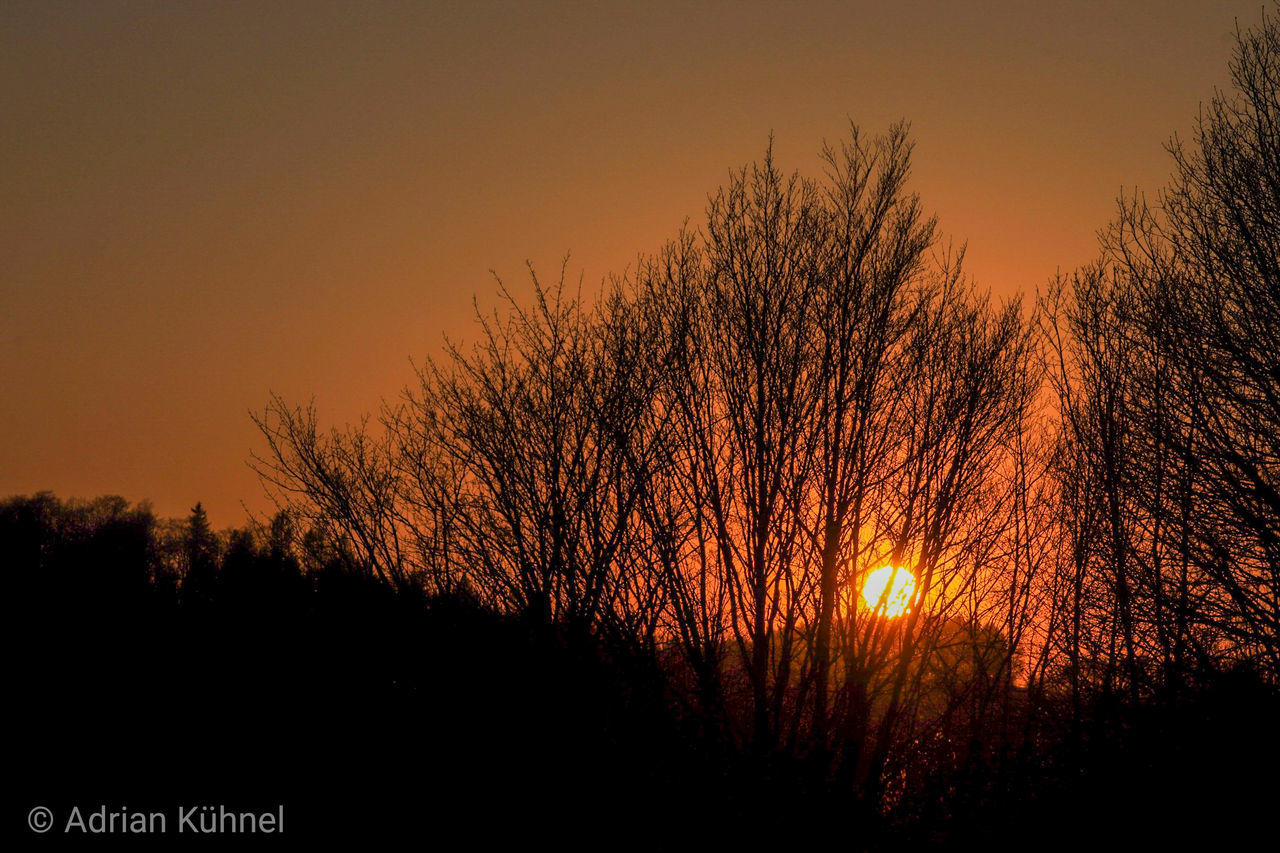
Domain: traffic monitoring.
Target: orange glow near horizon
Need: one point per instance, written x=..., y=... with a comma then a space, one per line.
x=209, y=203
x=888, y=590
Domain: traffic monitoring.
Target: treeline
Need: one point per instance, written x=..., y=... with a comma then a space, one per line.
x=157, y=663
x=107, y=551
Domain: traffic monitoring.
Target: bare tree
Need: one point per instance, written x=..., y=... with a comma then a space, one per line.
x=878, y=241
x=344, y=483
x=551, y=429
x=1171, y=397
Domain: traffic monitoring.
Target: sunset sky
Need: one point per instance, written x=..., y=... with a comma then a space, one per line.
x=205, y=203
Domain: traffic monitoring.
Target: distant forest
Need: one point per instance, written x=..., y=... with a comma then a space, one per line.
x=597, y=580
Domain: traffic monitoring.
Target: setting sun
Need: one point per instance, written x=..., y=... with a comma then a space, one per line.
x=888, y=590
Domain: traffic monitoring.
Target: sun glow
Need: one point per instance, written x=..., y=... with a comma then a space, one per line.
x=888, y=590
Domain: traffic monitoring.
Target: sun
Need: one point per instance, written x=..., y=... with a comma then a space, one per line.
x=888, y=590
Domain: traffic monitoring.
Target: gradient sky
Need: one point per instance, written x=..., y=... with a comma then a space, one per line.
x=204, y=203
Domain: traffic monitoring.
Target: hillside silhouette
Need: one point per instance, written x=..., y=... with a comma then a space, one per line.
x=376, y=713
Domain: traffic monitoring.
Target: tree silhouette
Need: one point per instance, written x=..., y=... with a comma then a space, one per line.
x=1168, y=380
x=200, y=577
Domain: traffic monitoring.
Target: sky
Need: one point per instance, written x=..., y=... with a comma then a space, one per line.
x=205, y=203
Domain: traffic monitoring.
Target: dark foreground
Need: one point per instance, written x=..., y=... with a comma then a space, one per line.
x=351, y=712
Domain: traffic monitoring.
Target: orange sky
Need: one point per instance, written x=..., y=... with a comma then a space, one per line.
x=207, y=202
